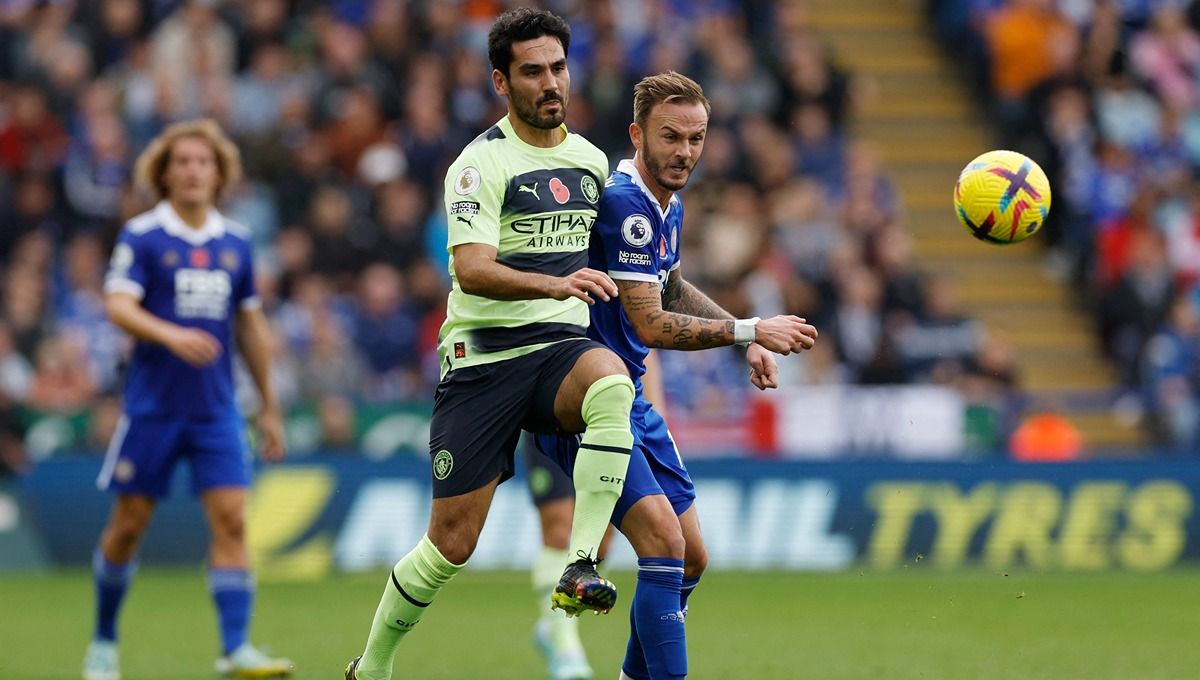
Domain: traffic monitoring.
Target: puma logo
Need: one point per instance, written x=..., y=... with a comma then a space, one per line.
x=525, y=187
x=464, y=220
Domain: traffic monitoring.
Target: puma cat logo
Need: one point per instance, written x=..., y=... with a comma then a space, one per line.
x=525, y=187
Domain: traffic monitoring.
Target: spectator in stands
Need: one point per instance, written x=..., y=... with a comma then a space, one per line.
x=32, y=139
x=1172, y=377
x=1137, y=306
x=1167, y=55
x=385, y=328
x=61, y=383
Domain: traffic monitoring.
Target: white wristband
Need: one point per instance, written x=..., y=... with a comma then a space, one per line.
x=744, y=331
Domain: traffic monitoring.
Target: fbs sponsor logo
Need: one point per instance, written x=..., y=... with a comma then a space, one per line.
x=443, y=464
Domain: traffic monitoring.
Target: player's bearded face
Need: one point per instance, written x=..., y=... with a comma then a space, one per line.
x=672, y=142
x=192, y=174
x=539, y=83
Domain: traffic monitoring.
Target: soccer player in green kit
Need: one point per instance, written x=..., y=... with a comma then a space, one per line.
x=521, y=200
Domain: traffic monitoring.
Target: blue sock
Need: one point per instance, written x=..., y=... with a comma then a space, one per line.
x=233, y=593
x=659, y=620
x=689, y=584
x=634, y=664
x=112, y=580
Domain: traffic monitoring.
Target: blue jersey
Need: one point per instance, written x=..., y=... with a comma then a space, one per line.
x=633, y=239
x=190, y=277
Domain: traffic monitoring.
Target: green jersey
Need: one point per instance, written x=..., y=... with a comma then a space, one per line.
x=536, y=206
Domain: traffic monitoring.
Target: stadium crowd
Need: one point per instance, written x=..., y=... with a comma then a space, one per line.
x=1105, y=94
x=347, y=114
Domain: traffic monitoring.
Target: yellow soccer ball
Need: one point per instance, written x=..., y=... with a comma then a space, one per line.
x=1002, y=197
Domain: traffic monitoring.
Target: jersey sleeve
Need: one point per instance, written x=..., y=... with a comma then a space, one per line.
x=245, y=293
x=474, y=194
x=129, y=267
x=627, y=234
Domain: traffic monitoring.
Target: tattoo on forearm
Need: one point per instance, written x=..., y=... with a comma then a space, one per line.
x=684, y=298
x=674, y=329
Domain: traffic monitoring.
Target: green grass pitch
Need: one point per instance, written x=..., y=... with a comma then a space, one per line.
x=913, y=623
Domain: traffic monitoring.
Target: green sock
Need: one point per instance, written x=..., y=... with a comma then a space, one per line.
x=601, y=462
x=564, y=630
x=414, y=582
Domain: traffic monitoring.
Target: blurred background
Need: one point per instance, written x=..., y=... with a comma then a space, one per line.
x=838, y=129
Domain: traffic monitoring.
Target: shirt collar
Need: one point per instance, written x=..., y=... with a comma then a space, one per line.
x=173, y=224
x=628, y=167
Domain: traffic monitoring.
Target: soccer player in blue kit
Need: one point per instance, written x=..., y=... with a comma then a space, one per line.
x=636, y=240
x=181, y=282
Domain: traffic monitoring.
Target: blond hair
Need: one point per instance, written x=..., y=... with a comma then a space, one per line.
x=150, y=166
x=665, y=88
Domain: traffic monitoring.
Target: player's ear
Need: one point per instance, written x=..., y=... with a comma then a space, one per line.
x=635, y=136
x=499, y=82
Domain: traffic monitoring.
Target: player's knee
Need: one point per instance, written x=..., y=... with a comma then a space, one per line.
x=455, y=542
x=608, y=402
x=128, y=525
x=230, y=528
x=663, y=540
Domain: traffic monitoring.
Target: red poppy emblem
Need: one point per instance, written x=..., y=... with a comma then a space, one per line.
x=199, y=259
x=561, y=193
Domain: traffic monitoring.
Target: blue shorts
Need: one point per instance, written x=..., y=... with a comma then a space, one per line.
x=144, y=450
x=655, y=466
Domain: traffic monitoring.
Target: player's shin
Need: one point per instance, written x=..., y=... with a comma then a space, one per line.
x=689, y=585
x=112, y=580
x=562, y=633
x=232, y=591
x=413, y=583
x=659, y=620
x=601, y=463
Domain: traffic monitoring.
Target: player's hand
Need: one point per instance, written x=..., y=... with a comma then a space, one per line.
x=764, y=373
x=585, y=284
x=785, y=334
x=270, y=426
x=194, y=346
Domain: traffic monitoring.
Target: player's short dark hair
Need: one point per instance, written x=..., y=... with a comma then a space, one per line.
x=663, y=88
x=523, y=23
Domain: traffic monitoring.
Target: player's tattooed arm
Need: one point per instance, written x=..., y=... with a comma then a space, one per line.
x=667, y=329
x=684, y=298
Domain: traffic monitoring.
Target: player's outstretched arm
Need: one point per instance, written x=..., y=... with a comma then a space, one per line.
x=254, y=340
x=684, y=318
x=193, y=345
x=479, y=273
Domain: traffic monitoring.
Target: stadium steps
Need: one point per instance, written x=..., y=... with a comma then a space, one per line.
x=913, y=104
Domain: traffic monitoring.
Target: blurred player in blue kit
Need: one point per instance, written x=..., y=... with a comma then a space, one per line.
x=181, y=282
x=636, y=241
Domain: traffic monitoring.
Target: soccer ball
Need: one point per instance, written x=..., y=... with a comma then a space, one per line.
x=1002, y=197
